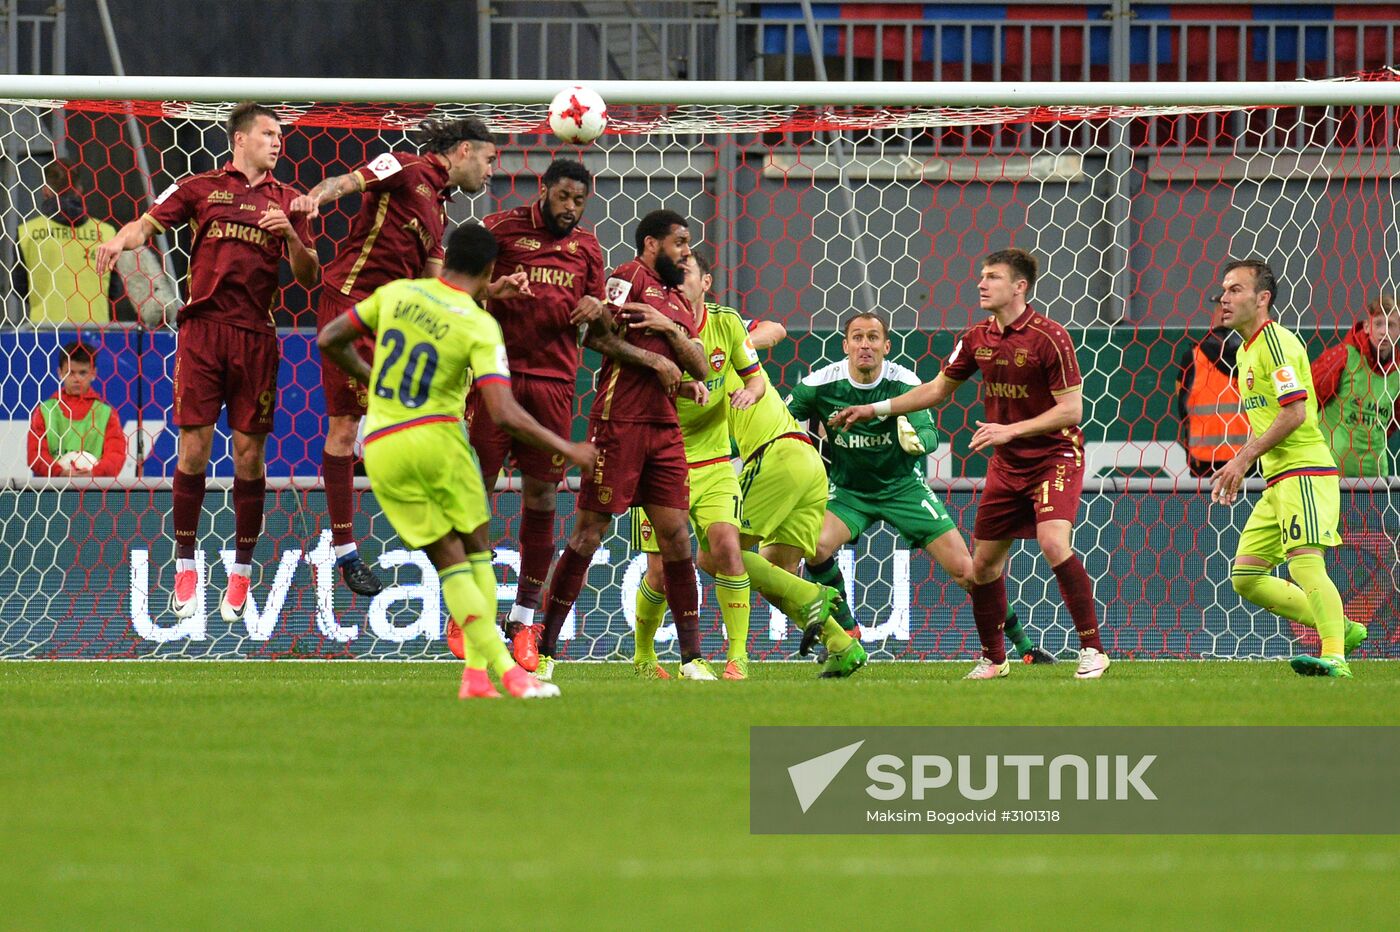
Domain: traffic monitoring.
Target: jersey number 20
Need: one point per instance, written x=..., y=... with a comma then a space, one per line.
x=417, y=368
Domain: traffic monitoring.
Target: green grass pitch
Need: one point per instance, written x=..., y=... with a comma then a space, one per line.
x=364, y=795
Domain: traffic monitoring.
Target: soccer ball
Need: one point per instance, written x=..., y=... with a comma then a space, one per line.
x=578, y=115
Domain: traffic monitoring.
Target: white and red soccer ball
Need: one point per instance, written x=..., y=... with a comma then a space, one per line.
x=578, y=115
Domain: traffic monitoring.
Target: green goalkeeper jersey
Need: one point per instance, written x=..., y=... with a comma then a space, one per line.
x=1273, y=371
x=867, y=457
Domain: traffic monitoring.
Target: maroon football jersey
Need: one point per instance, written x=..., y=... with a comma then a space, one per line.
x=540, y=341
x=399, y=226
x=1023, y=368
x=233, y=262
x=633, y=393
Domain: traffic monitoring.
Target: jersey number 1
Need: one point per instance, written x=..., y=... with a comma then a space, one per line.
x=419, y=367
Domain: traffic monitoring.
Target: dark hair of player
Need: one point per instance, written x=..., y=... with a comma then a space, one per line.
x=1023, y=265
x=245, y=114
x=702, y=261
x=561, y=169
x=470, y=249
x=439, y=136
x=76, y=351
x=64, y=175
x=1264, y=279
x=658, y=224
x=867, y=315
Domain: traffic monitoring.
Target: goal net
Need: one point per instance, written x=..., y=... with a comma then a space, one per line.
x=812, y=209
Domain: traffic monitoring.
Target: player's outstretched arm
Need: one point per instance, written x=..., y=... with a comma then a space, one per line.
x=1226, y=485
x=129, y=236
x=336, y=341
x=517, y=422
x=928, y=395
x=324, y=193
x=603, y=338
x=766, y=334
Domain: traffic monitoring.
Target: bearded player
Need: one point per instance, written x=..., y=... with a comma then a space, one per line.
x=563, y=263
x=1033, y=397
x=227, y=352
x=641, y=455
x=431, y=336
x=877, y=469
x=396, y=234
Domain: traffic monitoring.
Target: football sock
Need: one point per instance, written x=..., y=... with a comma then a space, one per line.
x=651, y=610
x=1259, y=585
x=497, y=654
x=536, y=552
x=568, y=579
x=338, y=475
x=1016, y=632
x=1077, y=589
x=834, y=637
x=989, y=614
x=733, y=595
x=469, y=590
x=187, y=501
x=778, y=586
x=1310, y=572
x=828, y=573
x=685, y=605
x=248, y=500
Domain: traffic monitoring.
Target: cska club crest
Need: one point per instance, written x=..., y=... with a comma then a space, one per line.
x=1249, y=379
x=717, y=359
x=1020, y=357
x=646, y=530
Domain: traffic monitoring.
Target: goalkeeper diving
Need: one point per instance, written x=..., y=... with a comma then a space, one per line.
x=877, y=467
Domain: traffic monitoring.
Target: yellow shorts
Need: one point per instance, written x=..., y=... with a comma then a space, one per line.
x=1300, y=511
x=427, y=482
x=714, y=499
x=784, y=486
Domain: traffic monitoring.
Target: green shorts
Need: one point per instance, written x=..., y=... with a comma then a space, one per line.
x=784, y=487
x=1299, y=511
x=911, y=508
x=714, y=499
x=427, y=482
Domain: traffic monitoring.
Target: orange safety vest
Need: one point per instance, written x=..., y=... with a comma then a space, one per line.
x=1216, y=428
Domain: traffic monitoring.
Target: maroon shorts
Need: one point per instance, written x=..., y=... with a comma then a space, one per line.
x=217, y=364
x=345, y=397
x=1014, y=502
x=549, y=401
x=638, y=464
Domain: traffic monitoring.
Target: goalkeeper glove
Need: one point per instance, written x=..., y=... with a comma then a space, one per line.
x=909, y=440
